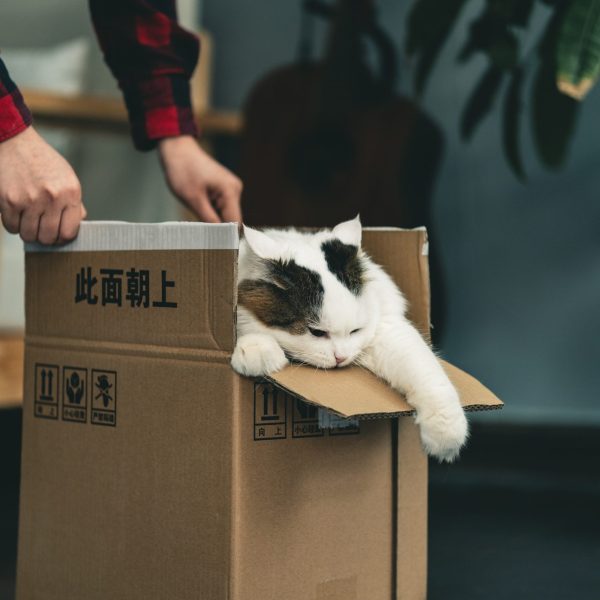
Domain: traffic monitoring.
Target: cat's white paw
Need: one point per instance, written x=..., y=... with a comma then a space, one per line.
x=257, y=355
x=443, y=425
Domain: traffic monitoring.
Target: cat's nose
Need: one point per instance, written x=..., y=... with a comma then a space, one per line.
x=339, y=359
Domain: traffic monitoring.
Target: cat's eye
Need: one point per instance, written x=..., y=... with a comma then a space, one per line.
x=317, y=332
x=355, y=330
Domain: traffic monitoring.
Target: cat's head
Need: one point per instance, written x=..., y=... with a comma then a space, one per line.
x=309, y=291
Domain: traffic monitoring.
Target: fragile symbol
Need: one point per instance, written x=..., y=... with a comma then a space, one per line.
x=305, y=420
x=104, y=386
x=307, y=412
x=75, y=388
x=74, y=406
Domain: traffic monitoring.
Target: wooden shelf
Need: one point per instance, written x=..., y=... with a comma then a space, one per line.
x=11, y=371
x=104, y=113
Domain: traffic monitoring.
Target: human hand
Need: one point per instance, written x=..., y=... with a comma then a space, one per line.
x=40, y=195
x=207, y=188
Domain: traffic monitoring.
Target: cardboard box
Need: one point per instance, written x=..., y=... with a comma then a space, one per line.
x=150, y=470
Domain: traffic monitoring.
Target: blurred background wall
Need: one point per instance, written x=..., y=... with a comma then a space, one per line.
x=522, y=261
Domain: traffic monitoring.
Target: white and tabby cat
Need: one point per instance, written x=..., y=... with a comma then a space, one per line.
x=317, y=298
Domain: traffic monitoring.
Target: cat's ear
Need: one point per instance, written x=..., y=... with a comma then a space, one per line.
x=261, y=244
x=349, y=232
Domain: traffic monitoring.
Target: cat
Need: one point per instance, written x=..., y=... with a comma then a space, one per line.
x=317, y=298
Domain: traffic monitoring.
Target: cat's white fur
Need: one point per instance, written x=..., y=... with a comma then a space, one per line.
x=387, y=343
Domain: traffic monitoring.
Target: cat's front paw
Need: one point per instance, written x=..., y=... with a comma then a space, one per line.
x=256, y=355
x=443, y=425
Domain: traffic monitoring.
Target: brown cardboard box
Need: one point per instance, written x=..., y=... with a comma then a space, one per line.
x=150, y=470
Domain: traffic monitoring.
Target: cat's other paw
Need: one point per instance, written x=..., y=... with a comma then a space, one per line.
x=257, y=355
x=443, y=425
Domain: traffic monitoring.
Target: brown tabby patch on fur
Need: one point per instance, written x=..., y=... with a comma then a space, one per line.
x=290, y=300
x=343, y=261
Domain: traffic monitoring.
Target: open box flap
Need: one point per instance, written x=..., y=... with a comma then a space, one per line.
x=356, y=392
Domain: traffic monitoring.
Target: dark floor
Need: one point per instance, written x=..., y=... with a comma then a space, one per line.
x=10, y=441
x=518, y=518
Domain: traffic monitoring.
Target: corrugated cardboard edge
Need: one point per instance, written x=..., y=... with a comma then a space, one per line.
x=473, y=394
x=98, y=236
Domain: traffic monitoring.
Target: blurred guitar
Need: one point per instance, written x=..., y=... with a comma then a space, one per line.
x=327, y=139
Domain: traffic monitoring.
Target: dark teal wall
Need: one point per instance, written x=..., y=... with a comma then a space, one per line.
x=522, y=261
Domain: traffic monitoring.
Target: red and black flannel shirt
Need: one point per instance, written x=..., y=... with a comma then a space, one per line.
x=14, y=114
x=152, y=58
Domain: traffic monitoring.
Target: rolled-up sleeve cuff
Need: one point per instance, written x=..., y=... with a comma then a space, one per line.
x=14, y=114
x=159, y=108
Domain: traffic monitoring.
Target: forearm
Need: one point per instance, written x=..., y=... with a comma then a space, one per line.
x=400, y=355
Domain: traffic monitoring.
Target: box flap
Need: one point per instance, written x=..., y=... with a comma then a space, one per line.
x=356, y=392
x=403, y=253
x=161, y=284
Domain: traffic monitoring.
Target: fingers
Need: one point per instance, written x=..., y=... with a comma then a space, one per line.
x=29, y=225
x=205, y=210
x=69, y=224
x=49, y=227
x=228, y=202
x=10, y=220
x=229, y=206
x=40, y=195
x=55, y=225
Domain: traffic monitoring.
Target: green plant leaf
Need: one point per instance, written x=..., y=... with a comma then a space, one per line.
x=492, y=35
x=578, y=48
x=428, y=27
x=554, y=116
x=511, y=123
x=481, y=101
x=521, y=12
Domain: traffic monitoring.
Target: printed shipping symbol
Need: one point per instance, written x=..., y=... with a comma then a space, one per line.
x=104, y=397
x=46, y=394
x=267, y=414
x=45, y=404
x=104, y=386
x=270, y=412
x=75, y=394
x=75, y=388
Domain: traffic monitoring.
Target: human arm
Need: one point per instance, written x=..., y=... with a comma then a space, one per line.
x=153, y=58
x=40, y=195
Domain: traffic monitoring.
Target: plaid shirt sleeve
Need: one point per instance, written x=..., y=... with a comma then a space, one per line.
x=152, y=58
x=14, y=114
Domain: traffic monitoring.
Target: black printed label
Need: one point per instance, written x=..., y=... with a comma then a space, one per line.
x=75, y=393
x=45, y=405
x=305, y=420
x=270, y=412
x=104, y=397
